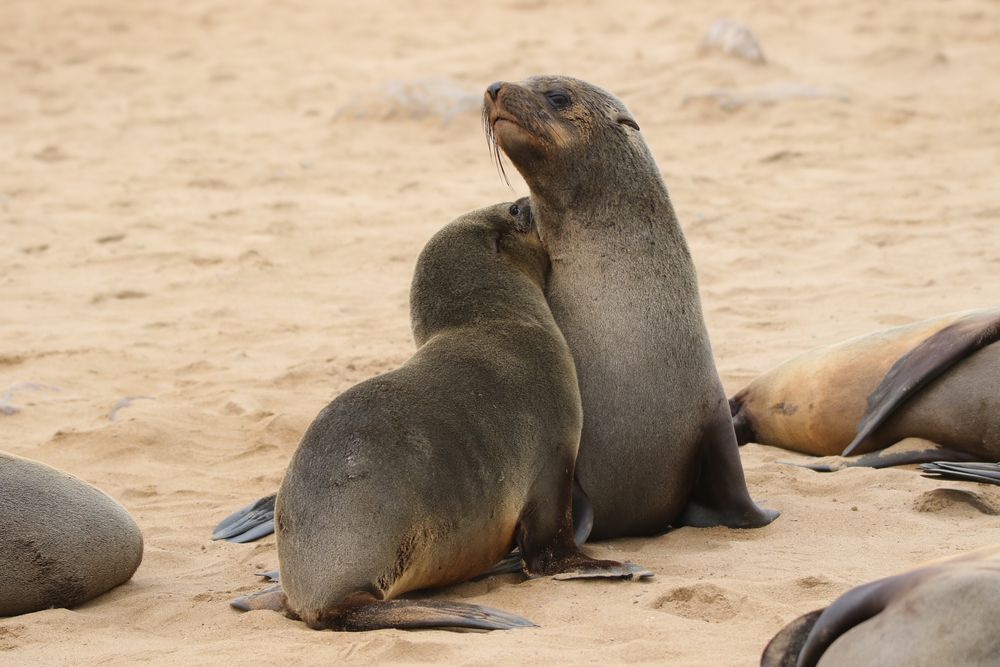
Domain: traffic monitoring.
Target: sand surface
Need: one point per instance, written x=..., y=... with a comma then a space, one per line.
x=214, y=207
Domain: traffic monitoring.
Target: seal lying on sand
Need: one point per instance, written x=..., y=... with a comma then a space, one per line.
x=658, y=447
x=62, y=542
x=938, y=380
x=429, y=474
x=944, y=613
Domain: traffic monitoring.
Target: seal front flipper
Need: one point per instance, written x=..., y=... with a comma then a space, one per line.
x=924, y=363
x=545, y=536
x=720, y=496
x=583, y=522
x=249, y=523
x=784, y=648
x=400, y=614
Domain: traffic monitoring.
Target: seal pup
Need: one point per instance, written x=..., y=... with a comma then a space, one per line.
x=944, y=613
x=937, y=380
x=658, y=447
x=427, y=475
x=62, y=542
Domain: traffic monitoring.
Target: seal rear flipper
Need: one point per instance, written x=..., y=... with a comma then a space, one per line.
x=720, y=496
x=924, y=363
x=272, y=598
x=248, y=523
x=884, y=458
x=986, y=473
x=418, y=614
x=783, y=649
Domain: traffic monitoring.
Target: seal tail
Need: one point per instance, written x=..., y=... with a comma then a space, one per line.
x=384, y=614
x=248, y=523
x=924, y=363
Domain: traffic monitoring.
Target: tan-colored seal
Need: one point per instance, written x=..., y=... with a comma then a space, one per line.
x=429, y=474
x=62, y=542
x=938, y=380
x=658, y=447
x=944, y=613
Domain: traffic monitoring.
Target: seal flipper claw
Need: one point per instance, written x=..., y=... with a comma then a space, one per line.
x=248, y=523
x=924, y=363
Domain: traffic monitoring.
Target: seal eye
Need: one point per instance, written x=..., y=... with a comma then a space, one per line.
x=514, y=210
x=557, y=100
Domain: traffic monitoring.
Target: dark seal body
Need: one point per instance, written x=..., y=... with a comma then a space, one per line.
x=429, y=474
x=62, y=542
x=944, y=613
x=658, y=447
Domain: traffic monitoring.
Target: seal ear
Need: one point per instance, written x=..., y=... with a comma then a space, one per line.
x=628, y=120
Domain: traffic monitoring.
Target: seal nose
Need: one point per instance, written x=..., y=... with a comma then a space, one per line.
x=494, y=90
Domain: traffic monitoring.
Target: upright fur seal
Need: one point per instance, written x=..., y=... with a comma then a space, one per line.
x=658, y=447
x=427, y=475
x=938, y=380
x=62, y=542
x=944, y=613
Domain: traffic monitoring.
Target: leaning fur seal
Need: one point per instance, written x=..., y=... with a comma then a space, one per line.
x=944, y=613
x=938, y=380
x=658, y=447
x=62, y=542
x=427, y=475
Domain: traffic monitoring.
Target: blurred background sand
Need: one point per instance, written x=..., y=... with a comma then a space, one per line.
x=214, y=207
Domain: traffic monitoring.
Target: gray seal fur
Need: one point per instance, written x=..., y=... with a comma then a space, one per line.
x=62, y=542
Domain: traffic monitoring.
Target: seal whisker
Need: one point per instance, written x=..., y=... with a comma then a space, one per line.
x=491, y=141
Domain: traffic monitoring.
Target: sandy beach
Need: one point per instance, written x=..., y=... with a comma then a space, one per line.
x=212, y=209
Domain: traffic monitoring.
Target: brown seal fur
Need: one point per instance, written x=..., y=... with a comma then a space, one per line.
x=62, y=542
x=944, y=613
x=427, y=475
x=658, y=447
x=938, y=380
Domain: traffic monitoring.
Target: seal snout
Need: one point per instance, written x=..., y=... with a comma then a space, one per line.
x=493, y=90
